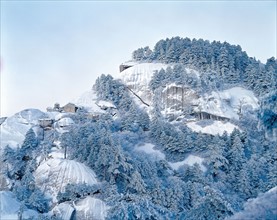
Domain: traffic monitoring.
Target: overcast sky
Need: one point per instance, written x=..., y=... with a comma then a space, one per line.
x=52, y=51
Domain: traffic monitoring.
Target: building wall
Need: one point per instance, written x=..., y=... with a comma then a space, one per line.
x=70, y=108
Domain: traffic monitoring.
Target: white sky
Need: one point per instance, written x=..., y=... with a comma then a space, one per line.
x=52, y=51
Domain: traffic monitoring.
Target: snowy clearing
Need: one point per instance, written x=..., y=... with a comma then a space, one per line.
x=190, y=161
x=213, y=128
x=228, y=103
x=149, y=149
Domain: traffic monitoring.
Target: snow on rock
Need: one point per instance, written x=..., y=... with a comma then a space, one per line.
x=149, y=149
x=212, y=127
x=14, y=128
x=88, y=101
x=63, y=211
x=190, y=161
x=91, y=208
x=228, y=103
x=54, y=174
x=141, y=73
x=10, y=207
x=262, y=207
x=138, y=77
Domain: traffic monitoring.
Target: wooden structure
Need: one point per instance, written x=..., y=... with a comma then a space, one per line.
x=46, y=122
x=123, y=67
x=70, y=107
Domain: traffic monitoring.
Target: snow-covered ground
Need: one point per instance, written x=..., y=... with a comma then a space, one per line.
x=10, y=208
x=228, y=103
x=14, y=128
x=140, y=74
x=190, y=161
x=212, y=127
x=106, y=104
x=262, y=207
x=148, y=148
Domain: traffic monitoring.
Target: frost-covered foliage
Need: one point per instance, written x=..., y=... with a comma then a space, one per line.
x=224, y=62
x=21, y=164
x=132, y=118
x=140, y=186
x=178, y=75
x=262, y=207
x=146, y=166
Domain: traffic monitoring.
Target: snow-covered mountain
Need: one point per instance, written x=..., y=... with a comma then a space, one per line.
x=227, y=104
x=179, y=131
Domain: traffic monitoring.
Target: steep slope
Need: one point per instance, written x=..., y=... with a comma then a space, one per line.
x=138, y=77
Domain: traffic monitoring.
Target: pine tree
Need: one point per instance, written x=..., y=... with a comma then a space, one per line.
x=213, y=206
